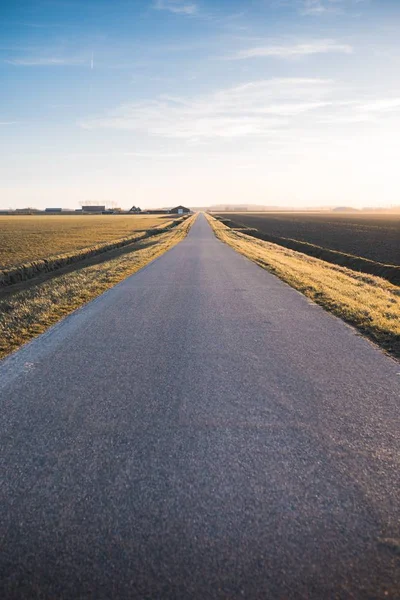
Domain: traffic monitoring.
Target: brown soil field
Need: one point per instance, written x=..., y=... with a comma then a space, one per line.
x=374, y=236
x=24, y=239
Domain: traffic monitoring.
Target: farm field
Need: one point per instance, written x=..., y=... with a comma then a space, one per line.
x=374, y=236
x=28, y=238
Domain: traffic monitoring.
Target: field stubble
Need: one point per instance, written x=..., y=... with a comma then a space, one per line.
x=24, y=239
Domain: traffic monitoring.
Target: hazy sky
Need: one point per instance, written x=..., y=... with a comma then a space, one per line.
x=160, y=102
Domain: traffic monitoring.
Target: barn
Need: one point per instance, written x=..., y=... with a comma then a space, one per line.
x=90, y=208
x=180, y=210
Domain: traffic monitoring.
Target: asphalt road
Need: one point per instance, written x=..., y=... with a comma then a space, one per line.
x=200, y=431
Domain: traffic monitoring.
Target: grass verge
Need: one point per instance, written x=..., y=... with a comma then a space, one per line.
x=368, y=302
x=28, y=313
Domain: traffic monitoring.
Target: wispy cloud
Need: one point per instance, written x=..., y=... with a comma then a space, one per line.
x=314, y=7
x=7, y=123
x=359, y=111
x=176, y=6
x=324, y=7
x=155, y=155
x=35, y=25
x=253, y=109
x=295, y=50
x=151, y=155
x=45, y=61
x=382, y=106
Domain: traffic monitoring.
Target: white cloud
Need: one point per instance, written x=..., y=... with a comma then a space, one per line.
x=293, y=51
x=7, y=123
x=358, y=111
x=155, y=155
x=314, y=7
x=342, y=119
x=176, y=6
x=151, y=155
x=253, y=109
x=382, y=106
x=323, y=7
x=44, y=62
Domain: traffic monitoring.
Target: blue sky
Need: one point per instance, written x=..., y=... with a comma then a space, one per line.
x=159, y=102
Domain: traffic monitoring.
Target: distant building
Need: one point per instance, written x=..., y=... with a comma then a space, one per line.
x=93, y=209
x=344, y=209
x=135, y=209
x=180, y=210
x=27, y=211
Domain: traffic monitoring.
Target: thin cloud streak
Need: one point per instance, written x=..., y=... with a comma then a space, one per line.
x=361, y=112
x=294, y=51
x=326, y=7
x=150, y=155
x=45, y=62
x=176, y=6
x=315, y=7
x=382, y=106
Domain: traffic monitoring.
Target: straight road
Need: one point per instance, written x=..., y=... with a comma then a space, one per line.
x=200, y=431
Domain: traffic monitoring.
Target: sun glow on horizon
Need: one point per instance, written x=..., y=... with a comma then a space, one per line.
x=160, y=103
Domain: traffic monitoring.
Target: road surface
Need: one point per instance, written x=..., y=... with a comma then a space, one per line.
x=200, y=431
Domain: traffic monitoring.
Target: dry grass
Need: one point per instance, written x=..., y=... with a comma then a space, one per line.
x=27, y=313
x=370, y=303
x=28, y=238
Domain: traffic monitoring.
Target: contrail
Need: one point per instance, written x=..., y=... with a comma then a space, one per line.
x=92, y=62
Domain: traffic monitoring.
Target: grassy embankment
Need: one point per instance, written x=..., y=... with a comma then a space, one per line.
x=369, y=303
x=29, y=312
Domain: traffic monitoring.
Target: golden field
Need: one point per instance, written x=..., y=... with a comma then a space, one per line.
x=28, y=238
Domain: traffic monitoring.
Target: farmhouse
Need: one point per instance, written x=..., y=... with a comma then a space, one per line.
x=180, y=210
x=93, y=209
